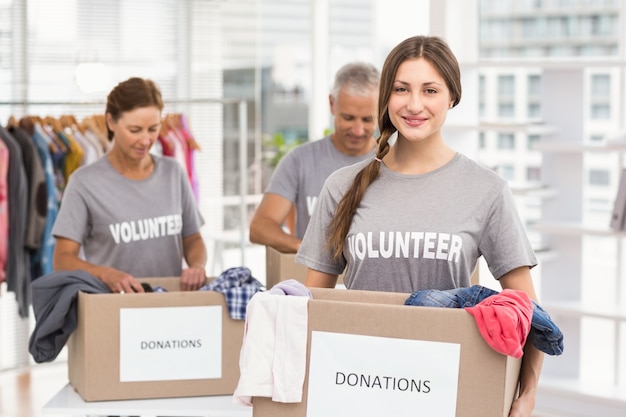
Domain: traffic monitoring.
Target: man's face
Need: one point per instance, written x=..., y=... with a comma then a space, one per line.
x=355, y=122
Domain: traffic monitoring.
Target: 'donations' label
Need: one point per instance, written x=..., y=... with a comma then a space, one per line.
x=369, y=376
x=170, y=343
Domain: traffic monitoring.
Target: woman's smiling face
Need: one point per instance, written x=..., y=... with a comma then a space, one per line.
x=419, y=100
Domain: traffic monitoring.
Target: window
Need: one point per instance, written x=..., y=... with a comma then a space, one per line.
x=507, y=172
x=533, y=174
x=600, y=85
x=600, y=111
x=506, y=110
x=481, y=96
x=532, y=139
x=534, y=86
x=599, y=177
x=506, y=86
x=534, y=96
x=506, y=141
x=506, y=96
x=534, y=110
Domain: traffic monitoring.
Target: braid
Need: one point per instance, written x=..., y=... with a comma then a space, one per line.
x=340, y=225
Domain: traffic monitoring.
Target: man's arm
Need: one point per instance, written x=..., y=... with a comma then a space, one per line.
x=266, y=227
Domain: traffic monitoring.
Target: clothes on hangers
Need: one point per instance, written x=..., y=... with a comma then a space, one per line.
x=37, y=158
x=176, y=140
x=17, y=259
x=4, y=209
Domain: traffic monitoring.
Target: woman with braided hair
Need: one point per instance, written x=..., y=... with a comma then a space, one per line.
x=419, y=214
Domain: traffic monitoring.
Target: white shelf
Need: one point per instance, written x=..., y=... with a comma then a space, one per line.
x=561, y=146
x=533, y=191
x=576, y=229
x=530, y=127
x=578, y=309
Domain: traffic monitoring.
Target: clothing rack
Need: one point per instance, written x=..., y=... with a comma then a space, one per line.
x=243, y=143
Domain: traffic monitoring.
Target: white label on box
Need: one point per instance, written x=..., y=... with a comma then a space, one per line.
x=170, y=343
x=367, y=376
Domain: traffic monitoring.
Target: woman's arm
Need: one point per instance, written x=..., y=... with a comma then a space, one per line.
x=65, y=258
x=320, y=279
x=194, y=251
x=532, y=361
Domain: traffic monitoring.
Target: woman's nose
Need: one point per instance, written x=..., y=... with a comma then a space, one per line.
x=415, y=104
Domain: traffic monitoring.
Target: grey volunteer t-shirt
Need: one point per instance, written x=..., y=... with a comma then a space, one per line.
x=301, y=173
x=416, y=232
x=134, y=226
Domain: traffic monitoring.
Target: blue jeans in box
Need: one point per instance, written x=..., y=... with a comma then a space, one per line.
x=544, y=334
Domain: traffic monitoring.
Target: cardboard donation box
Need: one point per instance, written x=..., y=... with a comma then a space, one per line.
x=282, y=266
x=368, y=355
x=154, y=345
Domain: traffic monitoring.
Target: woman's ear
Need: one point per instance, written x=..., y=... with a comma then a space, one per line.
x=109, y=121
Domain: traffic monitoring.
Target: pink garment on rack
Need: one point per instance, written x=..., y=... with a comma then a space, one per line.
x=191, y=150
x=4, y=209
x=180, y=148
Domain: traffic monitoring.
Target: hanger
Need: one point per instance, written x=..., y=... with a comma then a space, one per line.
x=165, y=126
x=101, y=123
x=182, y=121
x=12, y=122
x=54, y=123
x=69, y=121
x=28, y=124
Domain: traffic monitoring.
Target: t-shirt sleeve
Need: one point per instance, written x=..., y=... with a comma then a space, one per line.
x=192, y=218
x=313, y=252
x=73, y=216
x=286, y=177
x=504, y=242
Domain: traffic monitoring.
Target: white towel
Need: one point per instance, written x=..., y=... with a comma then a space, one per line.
x=272, y=362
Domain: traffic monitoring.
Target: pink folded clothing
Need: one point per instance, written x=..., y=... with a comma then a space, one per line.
x=504, y=321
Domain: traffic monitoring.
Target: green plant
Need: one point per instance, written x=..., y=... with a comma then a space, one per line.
x=276, y=146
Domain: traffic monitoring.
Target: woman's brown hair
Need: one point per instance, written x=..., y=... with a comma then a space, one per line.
x=130, y=95
x=436, y=51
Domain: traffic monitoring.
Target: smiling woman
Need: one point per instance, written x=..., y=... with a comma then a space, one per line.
x=420, y=184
